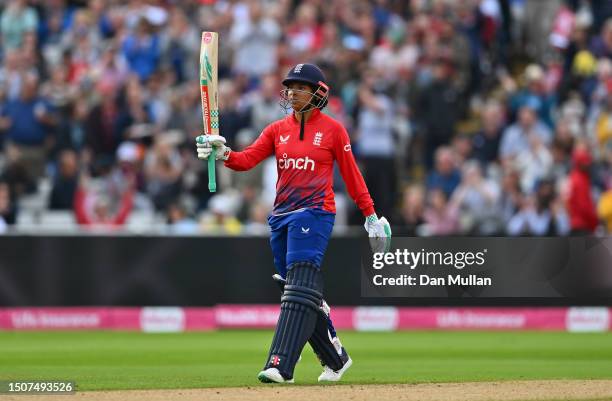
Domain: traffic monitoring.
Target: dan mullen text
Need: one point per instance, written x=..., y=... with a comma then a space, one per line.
x=412, y=260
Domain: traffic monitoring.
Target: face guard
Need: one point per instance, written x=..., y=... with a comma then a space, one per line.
x=318, y=98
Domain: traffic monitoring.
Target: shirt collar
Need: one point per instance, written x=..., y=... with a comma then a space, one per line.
x=316, y=114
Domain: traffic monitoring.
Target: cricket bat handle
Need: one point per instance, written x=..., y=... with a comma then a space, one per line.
x=212, y=179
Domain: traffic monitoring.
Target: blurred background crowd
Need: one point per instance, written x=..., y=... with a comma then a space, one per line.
x=476, y=117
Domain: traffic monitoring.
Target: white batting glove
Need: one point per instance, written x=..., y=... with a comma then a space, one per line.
x=379, y=232
x=206, y=143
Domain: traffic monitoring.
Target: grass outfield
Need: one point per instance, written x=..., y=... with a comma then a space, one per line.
x=125, y=360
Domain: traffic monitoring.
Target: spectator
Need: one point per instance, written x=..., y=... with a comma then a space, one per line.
x=440, y=217
x=541, y=215
x=604, y=210
x=599, y=122
x=264, y=104
x=438, y=110
x=257, y=223
x=375, y=144
x=96, y=209
x=515, y=138
x=163, y=167
x=142, y=50
x=181, y=44
x=461, y=144
x=254, y=37
x=304, y=35
x=410, y=216
x=65, y=183
x=221, y=219
x=476, y=197
x=8, y=212
x=179, y=221
x=601, y=45
x=534, y=95
x=486, y=141
x=533, y=163
x=446, y=176
x=18, y=20
x=12, y=73
x=27, y=121
x=580, y=205
x=103, y=125
x=511, y=198
x=232, y=116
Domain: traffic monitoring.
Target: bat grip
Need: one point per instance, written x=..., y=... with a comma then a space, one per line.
x=212, y=179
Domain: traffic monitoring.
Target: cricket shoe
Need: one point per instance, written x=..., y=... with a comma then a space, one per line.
x=330, y=375
x=272, y=375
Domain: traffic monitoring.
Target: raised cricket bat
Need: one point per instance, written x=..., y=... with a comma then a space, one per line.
x=209, y=50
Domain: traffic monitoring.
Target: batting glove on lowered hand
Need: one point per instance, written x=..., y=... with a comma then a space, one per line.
x=206, y=143
x=379, y=232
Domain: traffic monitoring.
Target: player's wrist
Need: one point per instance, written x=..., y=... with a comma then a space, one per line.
x=372, y=218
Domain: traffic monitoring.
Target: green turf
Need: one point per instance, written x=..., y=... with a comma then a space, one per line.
x=117, y=360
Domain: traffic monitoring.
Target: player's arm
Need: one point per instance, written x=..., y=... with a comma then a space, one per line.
x=262, y=148
x=358, y=190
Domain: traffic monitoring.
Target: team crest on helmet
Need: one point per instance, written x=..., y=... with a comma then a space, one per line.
x=298, y=68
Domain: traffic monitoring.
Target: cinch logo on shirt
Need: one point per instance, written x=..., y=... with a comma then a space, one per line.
x=303, y=163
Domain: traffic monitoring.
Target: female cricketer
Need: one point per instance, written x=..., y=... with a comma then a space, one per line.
x=306, y=143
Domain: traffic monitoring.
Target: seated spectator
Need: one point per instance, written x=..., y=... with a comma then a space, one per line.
x=163, y=167
x=221, y=219
x=462, y=148
x=511, y=198
x=16, y=174
x=541, y=215
x=257, y=223
x=179, y=221
x=476, y=197
x=440, y=217
x=515, y=138
x=534, y=162
x=604, y=210
x=446, y=175
x=8, y=211
x=65, y=183
x=410, y=215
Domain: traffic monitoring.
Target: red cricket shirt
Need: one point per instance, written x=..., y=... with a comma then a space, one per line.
x=305, y=167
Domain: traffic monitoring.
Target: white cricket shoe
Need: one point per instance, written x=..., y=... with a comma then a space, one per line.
x=329, y=375
x=272, y=375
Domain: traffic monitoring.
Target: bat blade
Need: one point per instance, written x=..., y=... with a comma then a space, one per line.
x=209, y=50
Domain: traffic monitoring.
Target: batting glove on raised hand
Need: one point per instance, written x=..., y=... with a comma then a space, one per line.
x=379, y=232
x=206, y=143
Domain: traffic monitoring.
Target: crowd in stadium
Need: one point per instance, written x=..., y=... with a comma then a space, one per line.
x=478, y=117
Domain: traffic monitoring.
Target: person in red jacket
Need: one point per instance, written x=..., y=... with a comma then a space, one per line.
x=306, y=144
x=580, y=205
x=97, y=213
